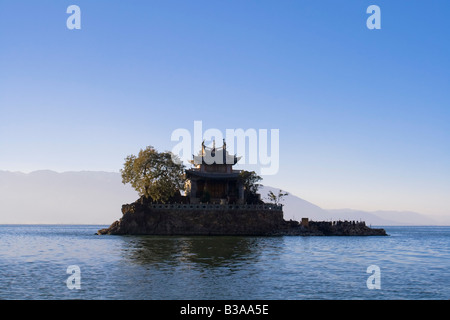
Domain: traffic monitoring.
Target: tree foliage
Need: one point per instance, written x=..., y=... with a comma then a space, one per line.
x=250, y=181
x=154, y=174
x=276, y=199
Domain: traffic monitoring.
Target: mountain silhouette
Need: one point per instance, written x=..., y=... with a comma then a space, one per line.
x=96, y=197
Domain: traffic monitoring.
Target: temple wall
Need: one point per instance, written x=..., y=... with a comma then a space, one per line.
x=204, y=220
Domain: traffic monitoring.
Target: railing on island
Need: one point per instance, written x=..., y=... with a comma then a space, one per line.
x=209, y=206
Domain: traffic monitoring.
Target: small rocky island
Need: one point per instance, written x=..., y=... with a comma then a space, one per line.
x=140, y=218
x=218, y=201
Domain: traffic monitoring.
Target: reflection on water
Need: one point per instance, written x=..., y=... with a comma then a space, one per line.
x=200, y=267
x=201, y=251
x=414, y=263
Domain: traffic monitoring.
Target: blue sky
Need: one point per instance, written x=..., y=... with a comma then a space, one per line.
x=364, y=115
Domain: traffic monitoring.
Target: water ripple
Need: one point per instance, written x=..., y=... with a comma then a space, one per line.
x=414, y=264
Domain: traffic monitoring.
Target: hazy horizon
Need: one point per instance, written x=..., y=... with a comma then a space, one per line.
x=96, y=197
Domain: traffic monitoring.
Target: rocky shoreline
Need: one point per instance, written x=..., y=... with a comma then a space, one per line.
x=331, y=228
x=146, y=219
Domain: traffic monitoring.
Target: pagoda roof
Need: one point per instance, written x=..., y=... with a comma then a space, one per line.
x=214, y=155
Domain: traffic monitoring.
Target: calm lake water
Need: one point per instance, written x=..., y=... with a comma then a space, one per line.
x=414, y=264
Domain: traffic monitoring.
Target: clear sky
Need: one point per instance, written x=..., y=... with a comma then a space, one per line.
x=363, y=115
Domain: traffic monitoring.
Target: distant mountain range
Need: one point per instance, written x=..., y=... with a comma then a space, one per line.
x=95, y=197
x=84, y=197
x=296, y=208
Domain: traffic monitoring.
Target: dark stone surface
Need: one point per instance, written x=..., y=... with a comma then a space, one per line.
x=141, y=219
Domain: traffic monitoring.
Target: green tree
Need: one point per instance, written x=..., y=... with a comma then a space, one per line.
x=250, y=180
x=276, y=199
x=154, y=174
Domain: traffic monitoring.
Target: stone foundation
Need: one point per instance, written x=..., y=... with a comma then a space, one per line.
x=208, y=220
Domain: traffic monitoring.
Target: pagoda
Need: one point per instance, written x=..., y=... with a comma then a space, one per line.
x=212, y=178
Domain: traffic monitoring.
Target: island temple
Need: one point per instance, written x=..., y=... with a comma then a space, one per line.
x=215, y=204
x=212, y=178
